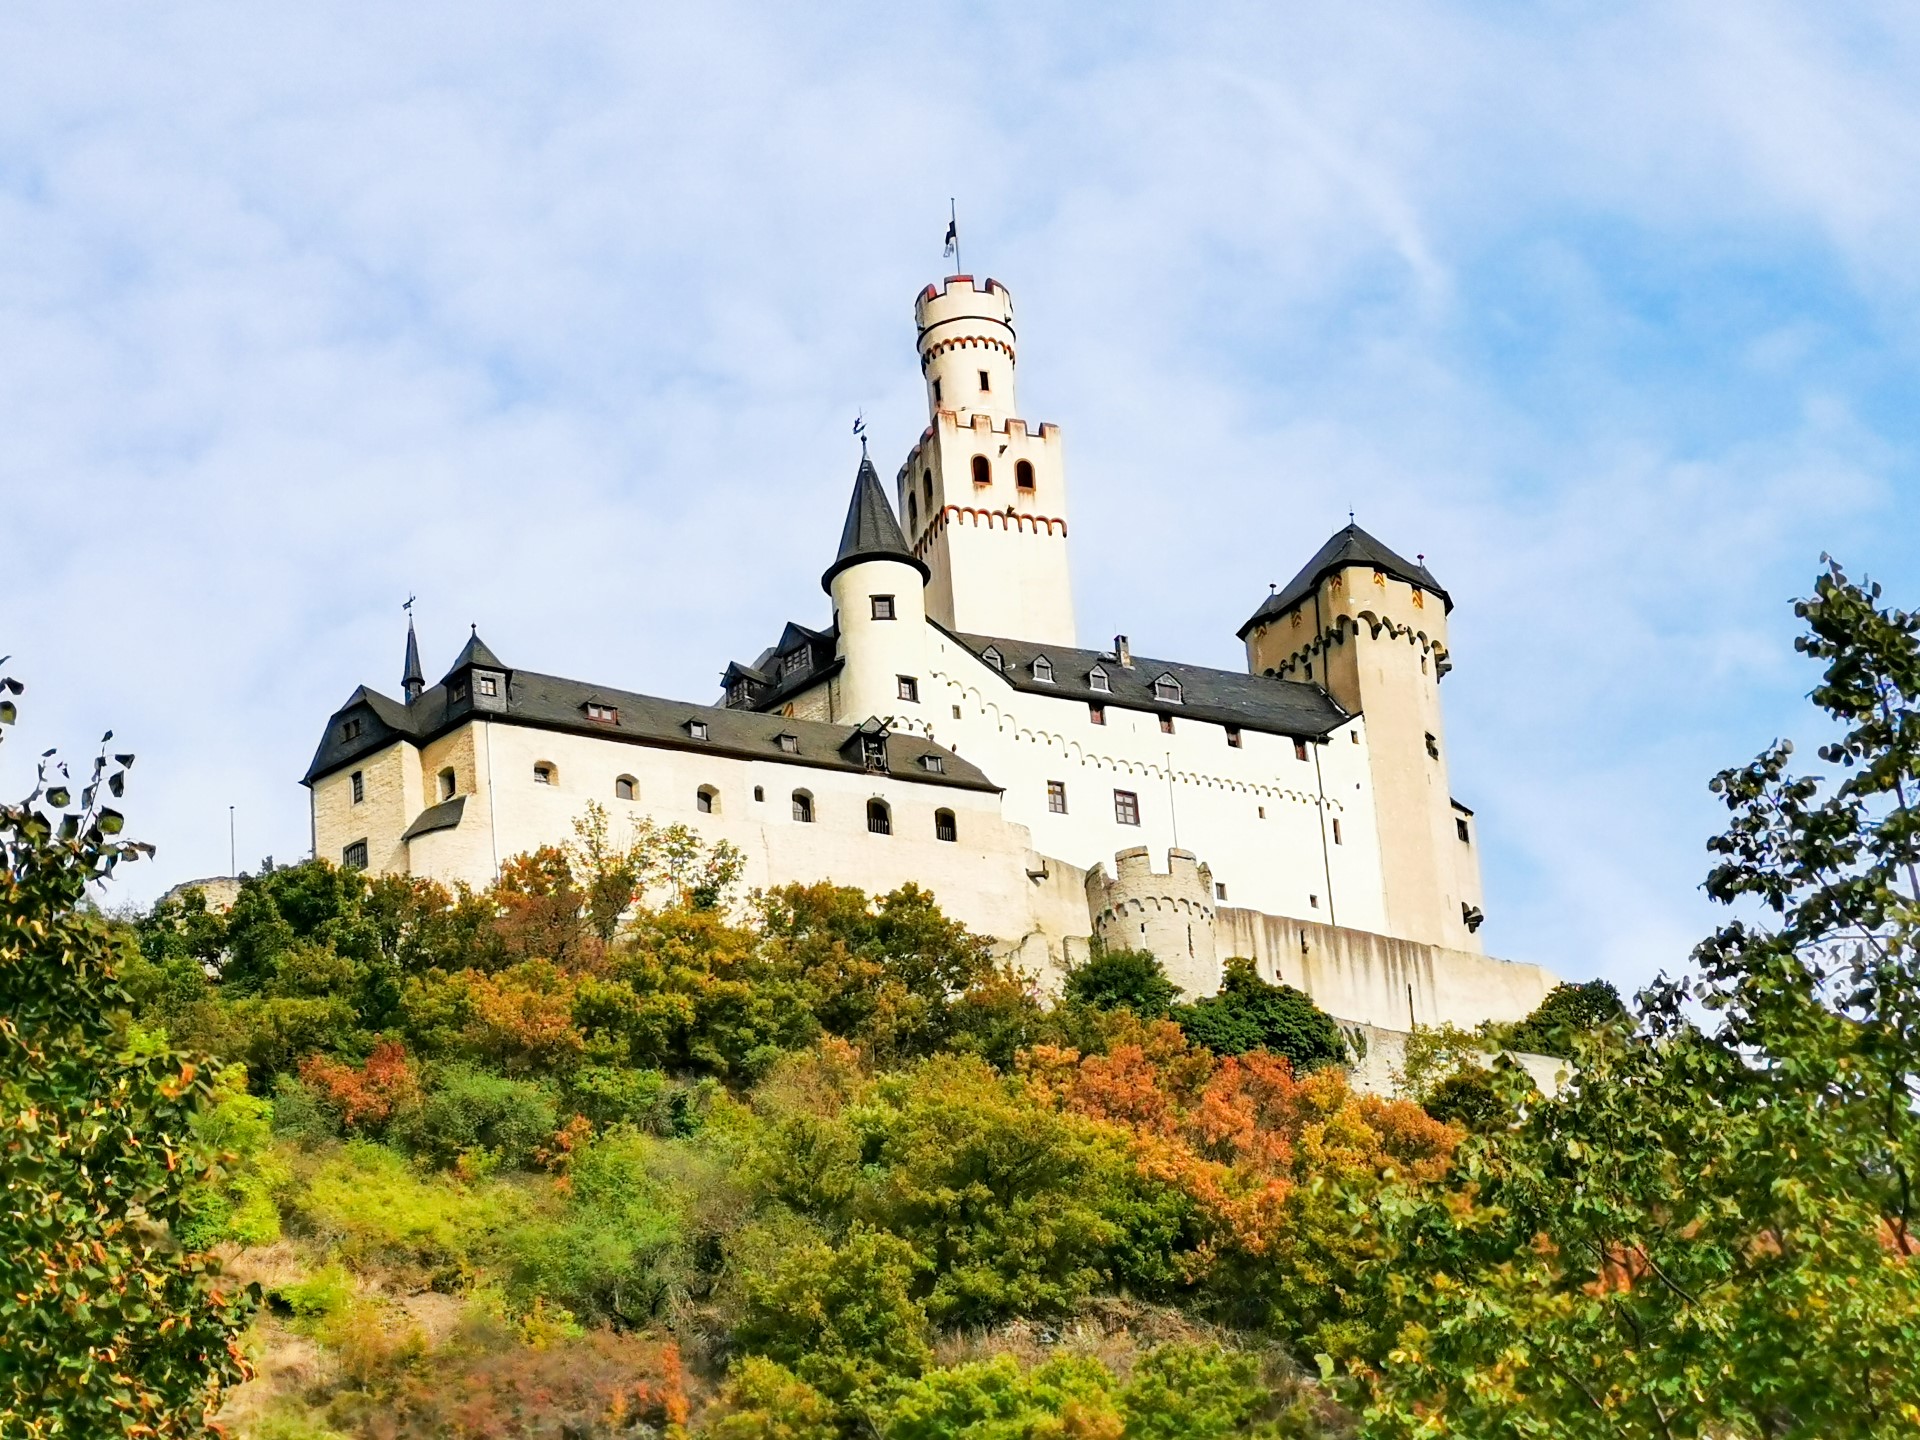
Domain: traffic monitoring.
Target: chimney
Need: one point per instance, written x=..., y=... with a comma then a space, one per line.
x=1122, y=651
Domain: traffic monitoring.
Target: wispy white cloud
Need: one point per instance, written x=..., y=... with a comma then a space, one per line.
x=558, y=318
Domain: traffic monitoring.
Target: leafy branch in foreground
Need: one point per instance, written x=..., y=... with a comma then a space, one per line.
x=111, y=1327
x=1709, y=1233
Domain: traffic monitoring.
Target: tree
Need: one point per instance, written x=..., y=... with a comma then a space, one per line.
x=1709, y=1231
x=111, y=1328
x=1568, y=1010
x=1249, y=1014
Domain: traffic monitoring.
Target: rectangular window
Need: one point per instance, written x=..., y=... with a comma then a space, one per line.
x=350, y=730
x=1097, y=714
x=986, y=381
x=456, y=692
x=354, y=857
x=605, y=714
x=488, y=684
x=1314, y=901
x=882, y=607
x=1057, y=796
x=1433, y=747
x=1219, y=891
x=1166, y=724
x=1461, y=826
x=1336, y=834
x=933, y=764
x=1233, y=736
x=798, y=663
x=936, y=390
x=759, y=793
x=359, y=787
x=909, y=688
x=1126, y=807
x=1299, y=749
x=790, y=744
x=1354, y=736
x=697, y=729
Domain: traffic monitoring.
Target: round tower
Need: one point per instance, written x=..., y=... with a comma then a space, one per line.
x=966, y=348
x=879, y=604
x=1169, y=915
x=983, y=494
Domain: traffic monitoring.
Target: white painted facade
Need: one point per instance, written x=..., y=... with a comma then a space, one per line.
x=1298, y=813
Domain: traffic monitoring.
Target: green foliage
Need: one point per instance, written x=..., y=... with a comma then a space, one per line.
x=843, y=1317
x=1122, y=980
x=1470, y=1099
x=1709, y=1231
x=236, y=1203
x=371, y=1207
x=486, y=1117
x=764, y=1400
x=111, y=1328
x=1250, y=1014
x=1568, y=1011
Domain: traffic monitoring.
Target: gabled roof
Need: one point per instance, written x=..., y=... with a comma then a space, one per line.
x=474, y=652
x=1351, y=546
x=1224, y=697
x=871, y=532
x=548, y=702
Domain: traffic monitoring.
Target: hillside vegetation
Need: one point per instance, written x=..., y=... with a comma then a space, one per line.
x=613, y=1149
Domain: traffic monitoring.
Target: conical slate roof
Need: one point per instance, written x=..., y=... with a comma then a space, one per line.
x=413, y=681
x=475, y=652
x=871, y=532
x=1351, y=546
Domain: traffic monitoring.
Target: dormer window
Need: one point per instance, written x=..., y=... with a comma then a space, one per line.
x=797, y=663
x=1097, y=680
x=487, y=684
x=740, y=694
x=933, y=764
x=873, y=751
x=1167, y=690
x=789, y=744
x=603, y=714
x=991, y=655
x=1043, y=669
x=456, y=692
x=697, y=729
x=350, y=730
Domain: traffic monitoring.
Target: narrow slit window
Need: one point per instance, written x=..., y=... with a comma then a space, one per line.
x=359, y=787
x=1166, y=724
x=1336, y=834
x=1233, y=736
x=1460, y=826
x=1299, y=749
x=986, y=382
x=450, y=784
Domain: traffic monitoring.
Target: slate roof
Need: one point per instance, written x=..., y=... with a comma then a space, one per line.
x=475, y=652
x=1225, y=697
x=414, y=680
x=1351, y=546
x=443, y=816
x=871, y=530
x=552, y=703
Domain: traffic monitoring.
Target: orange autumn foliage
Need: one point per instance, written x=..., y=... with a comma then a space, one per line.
x=1242, y=1135
x=522, y=1018
x=365, y=1096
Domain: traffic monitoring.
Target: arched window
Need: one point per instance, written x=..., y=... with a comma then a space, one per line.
x=879, y=818
x=707, y=800
x=982, y=471
x=913, y=513
x=625, y=788
x=449, y=786
x=544, y=773
x=926, y=489
x=803, y=807
x=944, y=827
x=1023, y=475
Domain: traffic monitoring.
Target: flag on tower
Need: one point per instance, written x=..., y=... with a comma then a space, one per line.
x=953, y=239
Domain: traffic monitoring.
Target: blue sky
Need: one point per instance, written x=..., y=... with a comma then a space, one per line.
x=558, y=316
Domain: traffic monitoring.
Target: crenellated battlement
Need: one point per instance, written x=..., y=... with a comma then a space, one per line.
x=1167, y=912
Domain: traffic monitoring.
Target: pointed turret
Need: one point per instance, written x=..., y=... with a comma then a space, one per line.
x=412, y=680
x=475, y=653
x=880, y=612
x=871, y=531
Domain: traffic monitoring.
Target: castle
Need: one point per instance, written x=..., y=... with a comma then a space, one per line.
x=945, y=727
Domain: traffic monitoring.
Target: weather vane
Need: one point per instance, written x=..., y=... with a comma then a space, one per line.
x=860, y=429
x=408, y=607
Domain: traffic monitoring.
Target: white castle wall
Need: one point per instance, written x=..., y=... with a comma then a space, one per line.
x=1379, y=980
x=1260, y=817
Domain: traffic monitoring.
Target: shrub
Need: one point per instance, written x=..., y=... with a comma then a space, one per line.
x=842, y=1318
x=365, y=1097
x=1250, y=1014
x=1122, y=980
x=472, y=1113
x=235, y=1134
x=366, y=1202
x=766, y=1401
x=615, y=1095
